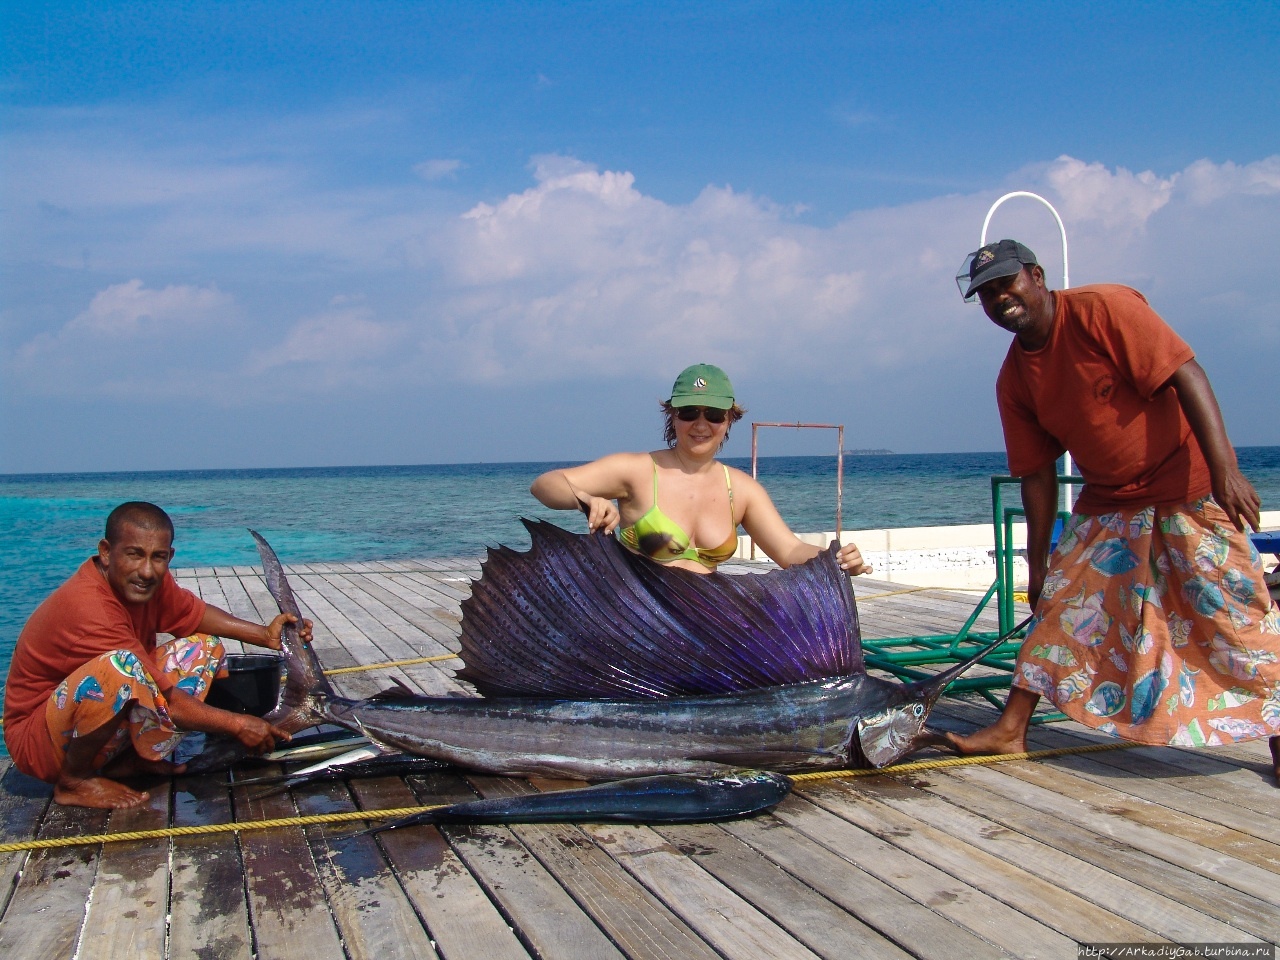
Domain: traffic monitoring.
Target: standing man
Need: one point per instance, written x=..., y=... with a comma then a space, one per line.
x=1152, y=621
x=91, y=695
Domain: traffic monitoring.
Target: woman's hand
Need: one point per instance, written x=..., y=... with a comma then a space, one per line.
x=601, y=514
x=851, y=562
x=592, y=488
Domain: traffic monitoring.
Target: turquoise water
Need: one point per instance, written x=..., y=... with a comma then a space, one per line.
x=50, y=523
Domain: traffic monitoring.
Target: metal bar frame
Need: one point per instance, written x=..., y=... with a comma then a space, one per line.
x=838, y=427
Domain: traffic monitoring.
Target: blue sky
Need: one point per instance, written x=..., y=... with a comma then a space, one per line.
x=280, y=234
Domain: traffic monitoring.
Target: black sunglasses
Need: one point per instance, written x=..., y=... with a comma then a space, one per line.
x=710, y=414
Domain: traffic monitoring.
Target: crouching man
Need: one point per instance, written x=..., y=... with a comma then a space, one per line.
x=91, y=695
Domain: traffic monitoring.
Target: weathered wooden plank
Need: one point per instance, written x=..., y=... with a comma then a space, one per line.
x=915, y=927
x=1138, y=773
x=635, y=920
x=239, y=603
x=796, y=907
x=422, y=614
x=131, y=892
x=732, y=925
x=395, y=636
x=544, y=916
x=448, y=591
x=458, y=913
x=47, y=907
x=210, y=591
x=1176, y=838
x=1199, y=894
x=23, y=802
x=1211, y=771
x=1069, y=914
x=352, y=639
x=1125, y=897
x=968, y=906
x=374, y=917
x=287, y=903
x=209, y=915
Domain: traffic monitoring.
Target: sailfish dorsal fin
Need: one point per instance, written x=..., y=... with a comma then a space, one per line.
x=581, y=617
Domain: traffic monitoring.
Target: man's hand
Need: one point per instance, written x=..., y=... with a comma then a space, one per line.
x=1035, y=586
x=192, y=713
x=1236, y=496
x=1232, y=492
x=258, y=735
x=276, y=627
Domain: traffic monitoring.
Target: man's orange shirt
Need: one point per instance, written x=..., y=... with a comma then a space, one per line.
x=1097, y=389
x=80, y=620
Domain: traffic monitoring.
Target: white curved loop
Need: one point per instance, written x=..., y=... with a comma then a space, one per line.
x=1066, y=283
x=1066, y=280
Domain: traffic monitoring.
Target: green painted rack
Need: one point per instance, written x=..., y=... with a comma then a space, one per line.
x=903, y=656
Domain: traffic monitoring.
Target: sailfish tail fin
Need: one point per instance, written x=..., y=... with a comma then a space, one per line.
x=303, y=685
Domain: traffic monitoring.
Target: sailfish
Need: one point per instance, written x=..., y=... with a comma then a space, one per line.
x=594, y=663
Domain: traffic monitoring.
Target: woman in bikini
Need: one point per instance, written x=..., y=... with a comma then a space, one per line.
x=680, y=506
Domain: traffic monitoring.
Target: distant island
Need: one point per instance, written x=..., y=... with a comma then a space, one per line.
x=868, y=453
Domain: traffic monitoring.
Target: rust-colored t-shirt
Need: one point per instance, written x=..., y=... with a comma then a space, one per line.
x=1098, y=390
x=80, y=620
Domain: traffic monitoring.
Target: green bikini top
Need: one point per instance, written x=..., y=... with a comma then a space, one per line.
x=658, y=537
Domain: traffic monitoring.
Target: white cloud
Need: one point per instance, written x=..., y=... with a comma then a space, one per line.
x=583, y=273
x=130, y=310
x=1120, y=200
x=437, y=169
x=342, y=338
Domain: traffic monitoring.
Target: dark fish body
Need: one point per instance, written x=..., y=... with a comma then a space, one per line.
x=675, y=799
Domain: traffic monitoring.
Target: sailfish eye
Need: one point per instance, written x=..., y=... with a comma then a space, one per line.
x=918, y=709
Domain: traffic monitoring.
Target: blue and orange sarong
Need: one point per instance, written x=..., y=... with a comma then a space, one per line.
x=1155, y=625
x=116, y=681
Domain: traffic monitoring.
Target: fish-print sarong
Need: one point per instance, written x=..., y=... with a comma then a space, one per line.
x=1155, y=625
x=109, y=683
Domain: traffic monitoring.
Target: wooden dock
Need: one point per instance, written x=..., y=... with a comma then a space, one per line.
x=1021, y=859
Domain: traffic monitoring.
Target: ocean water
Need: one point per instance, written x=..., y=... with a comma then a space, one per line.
x=49, y=523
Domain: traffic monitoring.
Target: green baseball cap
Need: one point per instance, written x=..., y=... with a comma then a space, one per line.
x=702, y=385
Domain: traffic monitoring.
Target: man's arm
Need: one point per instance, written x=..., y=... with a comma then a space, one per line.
x=1040, y=501
x=1231, y=490
x=222, y=624
x=192, y=713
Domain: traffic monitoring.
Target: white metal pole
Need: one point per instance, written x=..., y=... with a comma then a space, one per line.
x=1066, y=283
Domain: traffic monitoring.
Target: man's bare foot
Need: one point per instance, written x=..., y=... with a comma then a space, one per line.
x=992, y=739
x=97, y=792
x=1275, y=758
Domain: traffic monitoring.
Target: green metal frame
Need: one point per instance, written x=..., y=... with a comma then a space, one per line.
x=902, y=655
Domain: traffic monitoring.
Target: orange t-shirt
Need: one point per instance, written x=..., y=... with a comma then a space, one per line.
x=80, y=620
x=1096, y=389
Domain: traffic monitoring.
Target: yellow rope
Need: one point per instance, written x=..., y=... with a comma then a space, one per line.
x=961, y=762
x=205, y=828
x=390, y=663
x=798, y=778
x=863, y=598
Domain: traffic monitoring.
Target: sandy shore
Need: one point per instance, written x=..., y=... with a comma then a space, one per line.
x=957, y=557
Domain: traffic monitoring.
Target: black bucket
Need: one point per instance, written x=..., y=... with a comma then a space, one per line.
x=251, y=687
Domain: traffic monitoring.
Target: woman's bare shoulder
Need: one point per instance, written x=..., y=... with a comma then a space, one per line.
x=743, y=481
